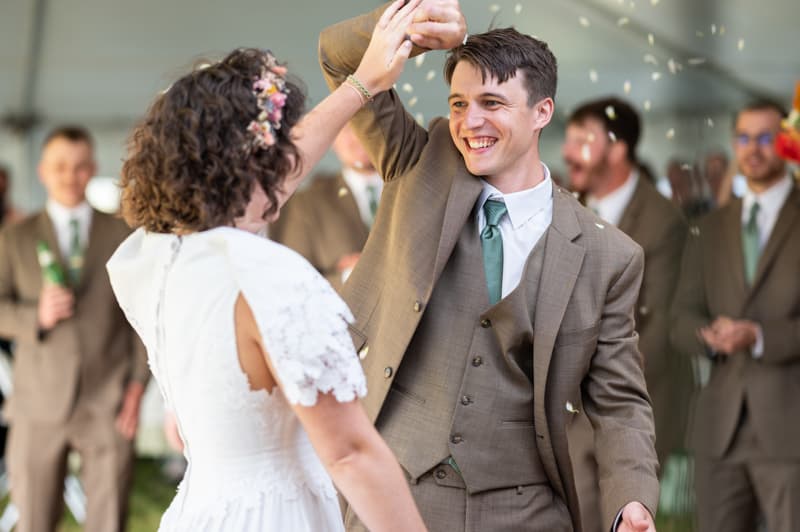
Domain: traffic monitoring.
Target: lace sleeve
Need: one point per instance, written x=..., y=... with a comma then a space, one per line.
x=303, y=324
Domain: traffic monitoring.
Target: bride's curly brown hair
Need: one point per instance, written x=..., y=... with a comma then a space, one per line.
x=189, y=167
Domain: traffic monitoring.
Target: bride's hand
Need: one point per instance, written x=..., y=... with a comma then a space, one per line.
x=388, y=49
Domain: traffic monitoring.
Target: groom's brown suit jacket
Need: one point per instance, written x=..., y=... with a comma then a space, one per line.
x=584, y=353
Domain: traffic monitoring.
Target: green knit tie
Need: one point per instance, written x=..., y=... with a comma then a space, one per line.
x=751, y=244
x=374, y=198
x=492, y=244
x=75, y=252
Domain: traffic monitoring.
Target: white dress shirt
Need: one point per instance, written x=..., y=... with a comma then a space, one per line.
x=771, y=202
x=61, y=216
x=529, y=215
x=612, y=206
x=358, y=183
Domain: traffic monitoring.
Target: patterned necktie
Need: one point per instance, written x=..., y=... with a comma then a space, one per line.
x=492, y=245
x=373, y=197
x=75, y=252
x=751, y=245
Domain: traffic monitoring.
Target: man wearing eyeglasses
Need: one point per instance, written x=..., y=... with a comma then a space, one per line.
x=738, y=304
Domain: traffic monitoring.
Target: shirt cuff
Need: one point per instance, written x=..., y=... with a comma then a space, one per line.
x=758, y=348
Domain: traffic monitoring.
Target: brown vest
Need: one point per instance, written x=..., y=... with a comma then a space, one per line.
x=469, y=390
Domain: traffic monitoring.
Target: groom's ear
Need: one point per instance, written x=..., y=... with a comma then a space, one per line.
x=543, y=112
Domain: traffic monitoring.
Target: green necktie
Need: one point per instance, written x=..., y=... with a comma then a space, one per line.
x=492, y=245
x=751, y=244
x=374, y=198
x=75, y=252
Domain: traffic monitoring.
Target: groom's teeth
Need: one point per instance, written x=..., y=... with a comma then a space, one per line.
x=482, y=143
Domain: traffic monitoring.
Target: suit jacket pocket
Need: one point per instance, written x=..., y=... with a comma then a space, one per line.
x=578, y=336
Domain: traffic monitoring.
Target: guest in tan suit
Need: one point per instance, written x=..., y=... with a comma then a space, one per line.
x=79, y=370
x=738, y=306
x=328, y=223
x=600, y=152
x=459, y=271
x=8, y=213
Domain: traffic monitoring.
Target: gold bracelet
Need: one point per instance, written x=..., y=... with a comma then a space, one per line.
x=362, y=90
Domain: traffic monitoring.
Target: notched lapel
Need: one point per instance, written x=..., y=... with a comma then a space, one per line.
x=733, y=256
x=630, y=216
x=91, y=255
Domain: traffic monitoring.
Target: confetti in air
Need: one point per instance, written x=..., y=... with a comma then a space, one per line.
x=699, y=34
x=654, y=2
x=593, y=76
x=584, y=22
x=611, y=113
x=419, y=60
x=694, y=61
x=713, y=29
x=722, y=30
x=686, y=167
x=740, y=45
x=612, y=136
x=671, y=133
x=626, y=87
x=420, y=118
x=656, y=76
x=651, y=39
x=647, y=105
x=590, y=137
x=623, y=21
x=710, y=122
x=494, y=8
x=413, y=101
x=586, y=153
x=431, y=74
x=650, y=58
x=407, y=87
x=518, y=9
x=673, y=66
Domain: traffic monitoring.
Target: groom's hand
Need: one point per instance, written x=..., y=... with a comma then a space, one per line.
x=438, y=25
x=128, y=418
x=636, y=518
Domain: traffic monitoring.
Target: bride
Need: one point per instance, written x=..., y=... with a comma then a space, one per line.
x=248, y=344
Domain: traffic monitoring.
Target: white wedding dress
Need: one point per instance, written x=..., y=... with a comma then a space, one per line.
x=251, y=465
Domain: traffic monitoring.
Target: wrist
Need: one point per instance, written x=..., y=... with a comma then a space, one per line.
x=355, y=82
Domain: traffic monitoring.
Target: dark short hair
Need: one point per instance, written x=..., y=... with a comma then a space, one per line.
x=189, y=166
x=617, y=116
x=500, y=53
x=72, y=133
x=762, y=104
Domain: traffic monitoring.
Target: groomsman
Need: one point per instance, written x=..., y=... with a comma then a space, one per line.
x=490, y=306
x=79, y=369
x=738, y=305
x=328, y=223
x=600, y=152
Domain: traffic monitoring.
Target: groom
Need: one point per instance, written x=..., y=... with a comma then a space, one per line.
x=490, y=306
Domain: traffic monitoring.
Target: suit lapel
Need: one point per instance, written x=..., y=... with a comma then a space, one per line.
x=92, y=254
x=783, y=226
x=464, y=192
x=732, y=258
x=562, y=263
x=630, y=216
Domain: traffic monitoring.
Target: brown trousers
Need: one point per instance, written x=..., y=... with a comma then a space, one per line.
x=37, y=464
x=445, y=505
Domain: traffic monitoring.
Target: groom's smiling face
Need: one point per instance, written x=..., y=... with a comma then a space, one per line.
x=493, y=125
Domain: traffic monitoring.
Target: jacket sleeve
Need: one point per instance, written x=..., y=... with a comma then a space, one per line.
x=689, y=307
x=18, y=319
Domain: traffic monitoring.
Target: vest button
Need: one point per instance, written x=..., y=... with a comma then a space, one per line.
x=477, y=361
x=441, y=474
x=485, y=323
x=466, y=400
x=417, y=306
x=456, y=438
x=388, y=372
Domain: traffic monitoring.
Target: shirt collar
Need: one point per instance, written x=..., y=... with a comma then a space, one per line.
x=358, y=181
x=611, y=206
x=770, y=201
x=522, y=205
x=61, y=215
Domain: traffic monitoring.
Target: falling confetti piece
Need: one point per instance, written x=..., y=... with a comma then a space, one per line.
x=584, y=22
x=518, y=9
x=651, y=39
x=671, y=134
x=590, y=137
x=722, y=30
x=623, y=21
x=431, y=74
x=673, y=66
x=656, y=76
x=419, y=60
x=713, y=29
x=407, y=87
x=654, y=2
x=612, y=136
x=626, y=87
x=700, y=34
x=611, y=113
x=494, y=8
x=686, y=167
x=586, y=153
x=710, y=122
x=420, y=118
x=650, y=58
x=343, y=192
x=694, y=61
x=647, y=105
x=413, y=101
x=593, y=76
x=741, y=45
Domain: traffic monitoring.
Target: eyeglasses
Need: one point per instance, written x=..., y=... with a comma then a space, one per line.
x=762, y=139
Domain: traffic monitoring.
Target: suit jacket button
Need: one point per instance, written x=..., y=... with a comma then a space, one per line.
x=643, y=310
x=456, y=438
x=363, y=353
x=477, y=361
x=441, y=474
x=417, y=306
x=388, y=372
x=486, y=323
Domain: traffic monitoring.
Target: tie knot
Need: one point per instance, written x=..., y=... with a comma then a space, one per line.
x=754, y=209
x=494, y=211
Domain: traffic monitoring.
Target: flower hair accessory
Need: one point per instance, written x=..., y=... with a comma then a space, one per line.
x=271, y=93
x=787, y=142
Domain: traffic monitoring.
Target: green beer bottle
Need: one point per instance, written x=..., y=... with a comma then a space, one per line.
x=51, y=269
